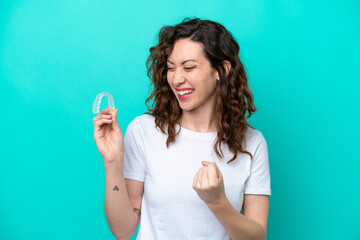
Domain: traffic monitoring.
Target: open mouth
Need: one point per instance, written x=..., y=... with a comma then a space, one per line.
x=185, y=94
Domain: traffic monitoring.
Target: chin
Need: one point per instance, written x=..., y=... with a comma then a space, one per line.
x=186, y=107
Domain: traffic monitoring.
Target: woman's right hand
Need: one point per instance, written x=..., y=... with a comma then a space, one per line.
x=108, y=135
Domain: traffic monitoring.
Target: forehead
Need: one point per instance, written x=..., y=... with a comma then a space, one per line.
x=185, y=49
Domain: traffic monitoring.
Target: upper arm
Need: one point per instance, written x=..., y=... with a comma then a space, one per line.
x=256, y=208
x=135, y=191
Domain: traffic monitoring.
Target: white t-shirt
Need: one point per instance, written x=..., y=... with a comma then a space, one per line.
x=171, y=208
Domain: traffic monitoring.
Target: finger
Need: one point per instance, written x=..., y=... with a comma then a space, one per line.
x=195, y=182
x=198, y=179
x=104, y=112
x=112, y=111
x=218, y=172
x=206, y=178
x=100, y=122
x=113, y=115
x=213, y=175
x=97, y=118
x=106, y=116
x=203, y=177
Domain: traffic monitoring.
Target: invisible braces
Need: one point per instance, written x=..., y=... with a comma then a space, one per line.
x=98, y=98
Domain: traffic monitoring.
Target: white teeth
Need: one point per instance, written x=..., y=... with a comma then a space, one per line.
x=182, y=93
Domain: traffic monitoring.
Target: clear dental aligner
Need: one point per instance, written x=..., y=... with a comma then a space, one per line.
x=98, y=98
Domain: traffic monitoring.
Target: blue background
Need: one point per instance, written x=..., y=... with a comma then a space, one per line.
x=302, y=61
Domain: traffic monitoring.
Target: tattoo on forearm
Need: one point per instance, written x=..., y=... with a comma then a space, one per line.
x=137, y=211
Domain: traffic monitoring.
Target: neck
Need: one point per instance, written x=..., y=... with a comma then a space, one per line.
x=199, y=121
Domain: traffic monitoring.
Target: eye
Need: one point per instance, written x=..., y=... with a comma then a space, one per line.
x=169, y=68
x=189, y=68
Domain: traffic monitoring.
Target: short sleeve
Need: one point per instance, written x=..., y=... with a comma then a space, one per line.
x=259, y=179
x=134, y=161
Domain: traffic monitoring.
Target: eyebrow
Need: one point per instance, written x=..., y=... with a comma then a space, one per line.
x=183, y=61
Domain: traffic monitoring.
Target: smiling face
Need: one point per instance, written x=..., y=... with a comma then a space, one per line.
x=191, y=77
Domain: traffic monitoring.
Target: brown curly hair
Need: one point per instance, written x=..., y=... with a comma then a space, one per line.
x=234, y=97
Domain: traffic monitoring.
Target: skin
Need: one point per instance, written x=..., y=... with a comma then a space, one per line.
x=199, y=115
x=198, y=110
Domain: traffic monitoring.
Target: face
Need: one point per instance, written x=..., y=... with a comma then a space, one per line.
x=191, y=77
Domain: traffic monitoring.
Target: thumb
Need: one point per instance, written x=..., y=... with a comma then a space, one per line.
x=114, y=115
x=205, y=163
x=113, y=112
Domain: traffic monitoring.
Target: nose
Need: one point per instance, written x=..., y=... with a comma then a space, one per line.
x=178, y=77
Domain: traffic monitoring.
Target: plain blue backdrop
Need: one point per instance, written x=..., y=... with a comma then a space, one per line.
x=302, y=61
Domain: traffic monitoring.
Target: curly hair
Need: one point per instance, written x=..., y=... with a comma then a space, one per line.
x=233, y=98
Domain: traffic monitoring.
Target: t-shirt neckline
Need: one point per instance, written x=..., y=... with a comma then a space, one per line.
x=196, y=135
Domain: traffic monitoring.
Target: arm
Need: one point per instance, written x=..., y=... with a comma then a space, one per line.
x=120, y=198
x=252, y=225
x=209, y=185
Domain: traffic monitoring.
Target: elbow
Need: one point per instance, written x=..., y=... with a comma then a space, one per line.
x=123, y=237
x=120, y=237
x=258, y=234
x=262, y=234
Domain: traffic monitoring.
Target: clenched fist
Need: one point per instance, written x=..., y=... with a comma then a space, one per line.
x=209, y=184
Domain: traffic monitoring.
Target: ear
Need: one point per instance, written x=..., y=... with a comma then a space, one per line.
x=227, y=66
x=217, y=76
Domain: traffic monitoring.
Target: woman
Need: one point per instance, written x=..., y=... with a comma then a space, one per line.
x=190, y=164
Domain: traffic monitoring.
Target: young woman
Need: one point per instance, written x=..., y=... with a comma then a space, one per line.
x=188, y=166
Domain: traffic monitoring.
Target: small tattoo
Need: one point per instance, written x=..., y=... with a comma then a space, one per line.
x=116, y=188
x=137, y=211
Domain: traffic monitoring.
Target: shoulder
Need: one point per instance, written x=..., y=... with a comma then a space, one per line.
x=145, y=118
x=254, y=137
x=142, y=123
x=141, y=120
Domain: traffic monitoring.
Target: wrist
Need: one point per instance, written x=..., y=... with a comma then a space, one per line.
x=116, y=159
x=114, y=166
x=219, y=205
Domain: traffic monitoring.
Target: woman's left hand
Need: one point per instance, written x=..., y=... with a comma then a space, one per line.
x=209, y=184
